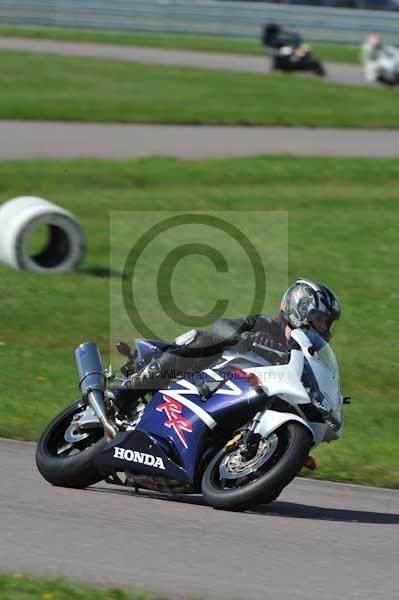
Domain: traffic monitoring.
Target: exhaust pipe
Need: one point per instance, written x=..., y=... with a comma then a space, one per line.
x=92, y=383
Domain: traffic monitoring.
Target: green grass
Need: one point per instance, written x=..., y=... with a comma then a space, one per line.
x=23, y=587
x=343, y=218
x=340, y=53
x=69, y=88
x=247, y=46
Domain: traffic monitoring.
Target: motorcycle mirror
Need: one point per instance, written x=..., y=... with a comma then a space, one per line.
x=123, y=349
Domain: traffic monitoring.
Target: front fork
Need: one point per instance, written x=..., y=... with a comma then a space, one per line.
x=248, y=440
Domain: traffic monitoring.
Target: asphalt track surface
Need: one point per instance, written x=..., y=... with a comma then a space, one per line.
x=319, y=540
x=31, y=139
x=336, y=72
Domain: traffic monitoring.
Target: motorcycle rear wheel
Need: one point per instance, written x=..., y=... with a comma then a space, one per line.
x=264, y=485
x=67, y=465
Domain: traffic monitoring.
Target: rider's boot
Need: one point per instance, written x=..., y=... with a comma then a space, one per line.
x=310, y=463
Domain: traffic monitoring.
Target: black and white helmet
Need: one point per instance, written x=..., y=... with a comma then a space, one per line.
x=306, y=301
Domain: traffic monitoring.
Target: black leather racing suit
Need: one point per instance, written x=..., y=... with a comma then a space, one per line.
x=208, y=345
x=279, y=38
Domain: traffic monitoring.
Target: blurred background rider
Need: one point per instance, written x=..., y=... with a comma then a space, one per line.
x=380, y=62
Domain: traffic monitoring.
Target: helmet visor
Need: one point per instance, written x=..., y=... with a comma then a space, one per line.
x=321, y=323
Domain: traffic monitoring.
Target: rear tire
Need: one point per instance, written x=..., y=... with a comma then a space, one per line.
x=294, y=445
x=75, y=470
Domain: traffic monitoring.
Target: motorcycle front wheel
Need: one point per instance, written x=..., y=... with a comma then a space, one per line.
x=65, y=455
x=318, y=69
x=230, y=482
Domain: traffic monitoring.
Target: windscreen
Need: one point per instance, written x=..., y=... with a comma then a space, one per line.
x=321, y=376
x=324, y=351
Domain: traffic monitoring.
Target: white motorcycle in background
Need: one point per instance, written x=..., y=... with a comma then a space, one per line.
x=380, y=62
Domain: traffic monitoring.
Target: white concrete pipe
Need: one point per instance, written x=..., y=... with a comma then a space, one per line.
x=66, y=241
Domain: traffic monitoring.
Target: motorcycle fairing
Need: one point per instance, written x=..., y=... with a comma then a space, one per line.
x=146, y=455
x=181, y=415
x=323, y=363
x=285, y=382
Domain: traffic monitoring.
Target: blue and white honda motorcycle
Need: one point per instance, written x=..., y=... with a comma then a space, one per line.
x=238, y=432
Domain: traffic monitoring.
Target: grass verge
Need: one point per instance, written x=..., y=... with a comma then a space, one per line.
x=343, y=216
x=329, y=52
x=76, y=89
x=22, y=587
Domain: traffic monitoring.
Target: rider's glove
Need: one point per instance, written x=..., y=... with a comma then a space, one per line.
x=263, y=338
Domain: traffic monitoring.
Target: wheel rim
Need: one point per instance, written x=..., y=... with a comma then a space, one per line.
x=67, y=439
x=235, y=465
x=277, y=447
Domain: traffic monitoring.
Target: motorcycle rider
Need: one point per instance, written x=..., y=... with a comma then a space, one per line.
x=306, y=303
x=380, y=62
x=273, y=36
x=288, y=51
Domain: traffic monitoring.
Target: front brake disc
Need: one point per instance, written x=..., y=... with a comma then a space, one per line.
x=234, y=465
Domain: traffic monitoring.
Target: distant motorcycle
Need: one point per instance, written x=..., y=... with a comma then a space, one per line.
x=238, y=431
x=288, y=52
x=380, y=62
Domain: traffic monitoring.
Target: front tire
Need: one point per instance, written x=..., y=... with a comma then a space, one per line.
x=264, y=485
x=319, y=69
x=65, y=466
